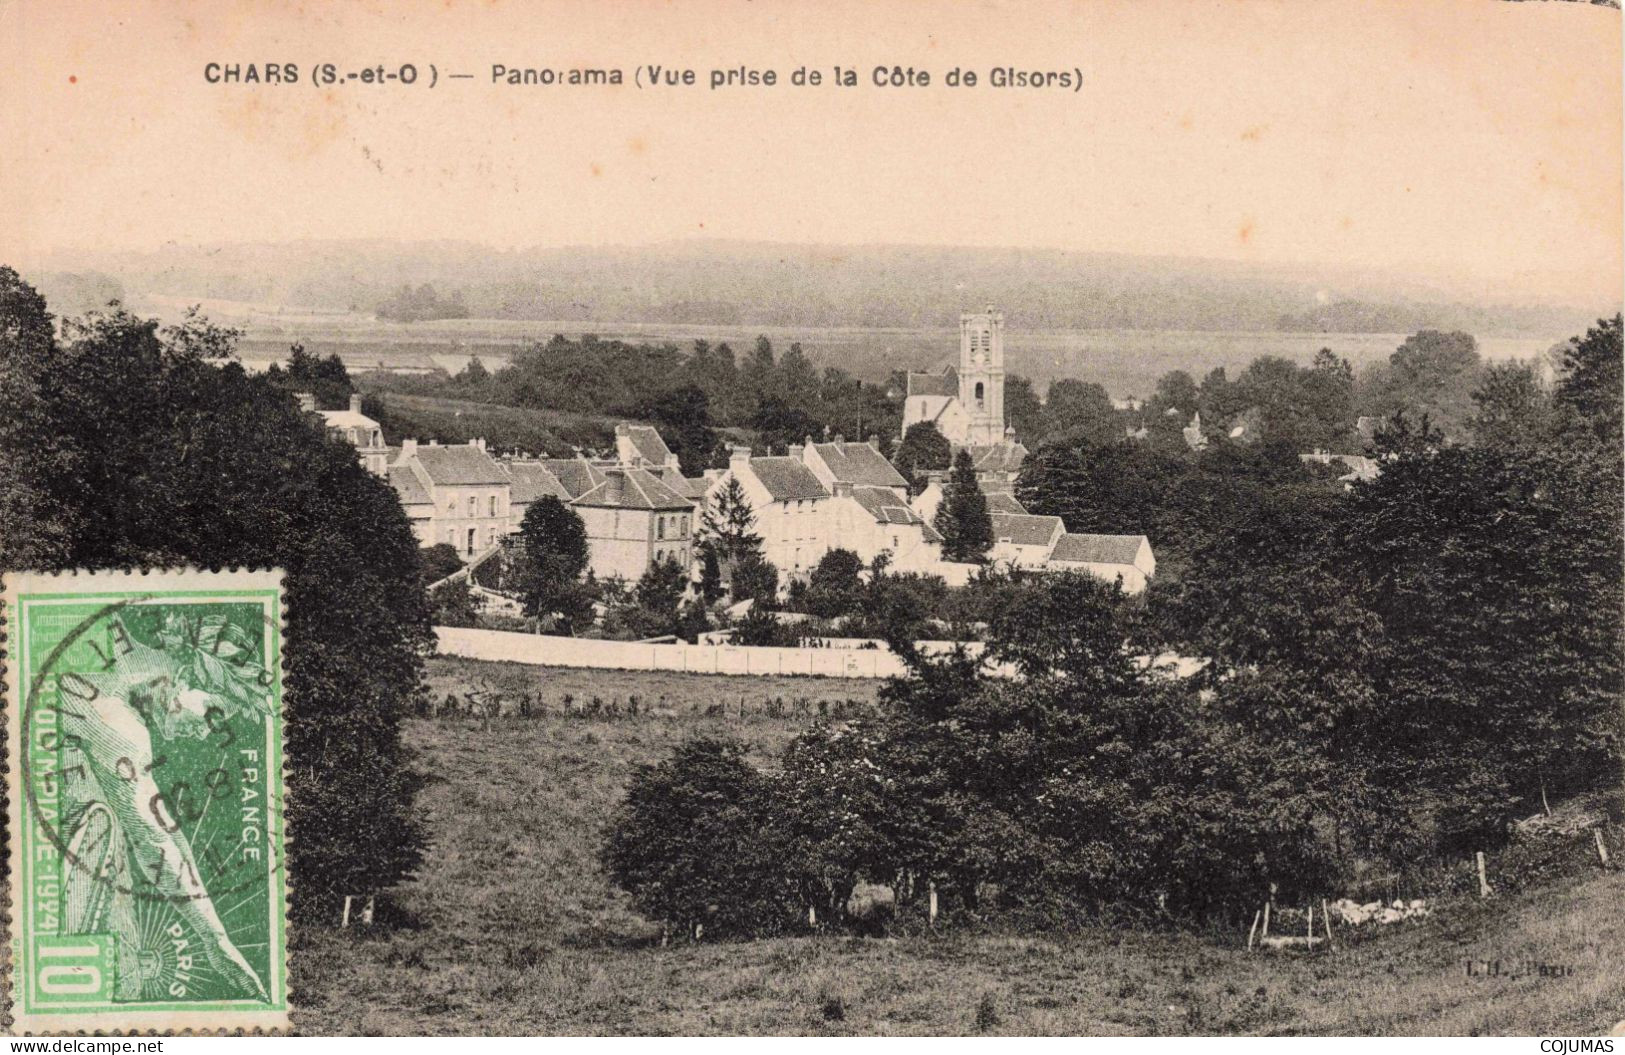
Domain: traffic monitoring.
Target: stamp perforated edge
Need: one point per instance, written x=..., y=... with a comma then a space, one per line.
x=130, y=1023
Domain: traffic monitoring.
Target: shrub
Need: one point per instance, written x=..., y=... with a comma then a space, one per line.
x=693, y=843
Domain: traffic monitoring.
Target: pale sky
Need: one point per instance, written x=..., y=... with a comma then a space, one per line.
x=1478, y=140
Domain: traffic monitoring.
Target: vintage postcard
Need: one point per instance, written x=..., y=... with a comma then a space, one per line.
x=149, y=885
x=814, y=517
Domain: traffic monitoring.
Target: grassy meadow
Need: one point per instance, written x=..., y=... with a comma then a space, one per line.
x=511, y=928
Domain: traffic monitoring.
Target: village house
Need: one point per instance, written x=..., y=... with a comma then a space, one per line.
x=354, y=428
x=531, y=479
x=1125, y=557
x=468, y=494
x=792, y=508
x=869, y=512
x=929, y=500
x=1021, y=540
x=633, y=521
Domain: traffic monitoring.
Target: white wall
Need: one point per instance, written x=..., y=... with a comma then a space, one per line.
x=544, y=650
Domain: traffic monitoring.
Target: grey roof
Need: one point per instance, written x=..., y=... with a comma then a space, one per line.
x=649, y=444
x=695, y=487
x=576, y=475
x=459, y=465
x=1098, y=549
x=1025, y=529
x=786, y=479
x=883, y=504
x=406, y=484
x=533, y=480
x=634, y=489
x=998, y=457
x=943, y=384
x=1004, y=502
x=859, y=464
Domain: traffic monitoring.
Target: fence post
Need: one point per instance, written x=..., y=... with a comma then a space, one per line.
x=932, y=901
x=1251, y=931
x=1602, y=846
x=1326, y=917
x=346, y=922
x=1483, y=877
x=1311, y=926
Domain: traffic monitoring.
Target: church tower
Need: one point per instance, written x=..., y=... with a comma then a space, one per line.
x=981, y=375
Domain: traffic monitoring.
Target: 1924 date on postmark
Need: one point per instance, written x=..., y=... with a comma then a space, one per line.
x=144, y=781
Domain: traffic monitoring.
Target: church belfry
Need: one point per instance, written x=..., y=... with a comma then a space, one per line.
x=981, y=375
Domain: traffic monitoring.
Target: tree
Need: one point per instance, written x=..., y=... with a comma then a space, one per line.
x=1023, y=410
x=1511, y=407
x=34, y=530
x=728, y=527
x=325, y=379
x=659, y=593
x=1067, y=625
x=692, y=843
x=834, y=588
x=554, y=544
x=1080, y=412
x=754, y=578
x=1431, y=374
x=456, y=604
x=1592, y=380
x=685, y=415
x=439, y=561
x=924, y=449
x=962, y=519
x=150, y=430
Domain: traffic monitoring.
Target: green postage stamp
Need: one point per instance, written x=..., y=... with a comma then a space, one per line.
x=144, y=785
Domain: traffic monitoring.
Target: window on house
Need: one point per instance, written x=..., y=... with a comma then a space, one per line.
x=660, y=527
x=685, y=527
x=471, y=540
x=981, y=398
x=493, y=505
x=473, y=506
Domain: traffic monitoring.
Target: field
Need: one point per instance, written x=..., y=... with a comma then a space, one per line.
x=1126, y=362
x=514, y=930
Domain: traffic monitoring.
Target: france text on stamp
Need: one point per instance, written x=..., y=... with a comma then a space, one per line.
x=144, y=779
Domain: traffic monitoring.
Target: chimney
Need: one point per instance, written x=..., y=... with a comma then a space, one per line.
x=477, y=444
x=874, y=441
x=842, y=488
x=796, y=451
x=616, y=479
x=409, y=448
x=738, y=456
x=355, y=403
x=935, y=476
x=307, y=402
x=839, y=438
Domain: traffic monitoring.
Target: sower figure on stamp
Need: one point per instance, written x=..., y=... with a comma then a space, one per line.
x=203, y=673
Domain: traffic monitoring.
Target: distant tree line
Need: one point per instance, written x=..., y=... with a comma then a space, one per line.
x=692, y=397
x=422, y=304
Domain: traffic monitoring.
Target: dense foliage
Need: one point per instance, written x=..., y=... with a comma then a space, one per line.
x=124, y=446
x=1389, y=670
